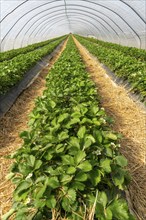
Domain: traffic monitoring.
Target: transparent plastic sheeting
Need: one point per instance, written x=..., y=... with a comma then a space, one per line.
x=24, y=22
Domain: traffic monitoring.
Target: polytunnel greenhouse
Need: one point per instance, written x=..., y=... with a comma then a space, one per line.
x=73, y=110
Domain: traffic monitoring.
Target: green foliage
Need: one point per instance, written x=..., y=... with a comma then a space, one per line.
x=13, y=70
x=105, y=164
x=121, y=161
x=139, y=54
x=7, y=55
x=119, y=209
x=127, y=63
x=68, y=160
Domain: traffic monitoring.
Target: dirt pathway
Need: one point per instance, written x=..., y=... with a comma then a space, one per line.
x=11, y=125
x=130, y=121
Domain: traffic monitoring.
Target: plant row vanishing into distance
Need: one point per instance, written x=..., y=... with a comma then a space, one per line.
x=12, y=71
x=139, y=54
x=7, y=55
x=127, y=63
x=69, y=165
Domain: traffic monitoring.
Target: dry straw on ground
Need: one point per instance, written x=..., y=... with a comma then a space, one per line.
x=129, y=120
x=11, y=125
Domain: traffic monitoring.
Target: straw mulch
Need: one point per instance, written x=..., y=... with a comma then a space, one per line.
x=129, y=120
x=11, y=125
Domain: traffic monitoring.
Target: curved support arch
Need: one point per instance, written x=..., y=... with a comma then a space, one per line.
x=84, y=14
x=139, y=16
x=90, y=1
x=71, y=19
x=42, y=25
x=85, y=11
x=78, y=26
x=24, y=16
x=63, y=19
x=96, y=28
x=121, y=18
x=13, y=11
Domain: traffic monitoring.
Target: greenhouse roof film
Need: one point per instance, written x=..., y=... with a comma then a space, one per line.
x=30, y=21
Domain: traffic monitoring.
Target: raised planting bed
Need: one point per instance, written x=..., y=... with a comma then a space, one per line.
x=69, y=166
x=12, y=71
x=124, y=66
x=8, y=55
x=8, y=99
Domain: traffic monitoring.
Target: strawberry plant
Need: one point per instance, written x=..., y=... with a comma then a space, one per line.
x=12, y=71
x=69, y=166
x=124, y=66
x=139, y=54
x=7, y=55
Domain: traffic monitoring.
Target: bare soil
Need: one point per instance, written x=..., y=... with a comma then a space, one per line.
x=129, y=120
x=12, y=124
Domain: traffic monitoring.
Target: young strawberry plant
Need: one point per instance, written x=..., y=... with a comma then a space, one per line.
x=124, y=66
x=69, y=166
x=12, y=71
x=139, y=54
x=7, y=55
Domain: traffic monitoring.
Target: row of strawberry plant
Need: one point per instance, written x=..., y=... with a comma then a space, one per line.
x=12, y=71
x=139, y=54
x=69, y=166
x=123, y=66
x=7, y=55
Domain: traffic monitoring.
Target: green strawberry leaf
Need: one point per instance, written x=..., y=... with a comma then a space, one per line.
x=105, y=164
x=81, y=176
x=119, y=209
x=80, y=155
x=71, y=170
x=121, y=161
x=81, y=132
x=53, y=182
x=95, y=177
x=51, y=202
x=85, y=166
